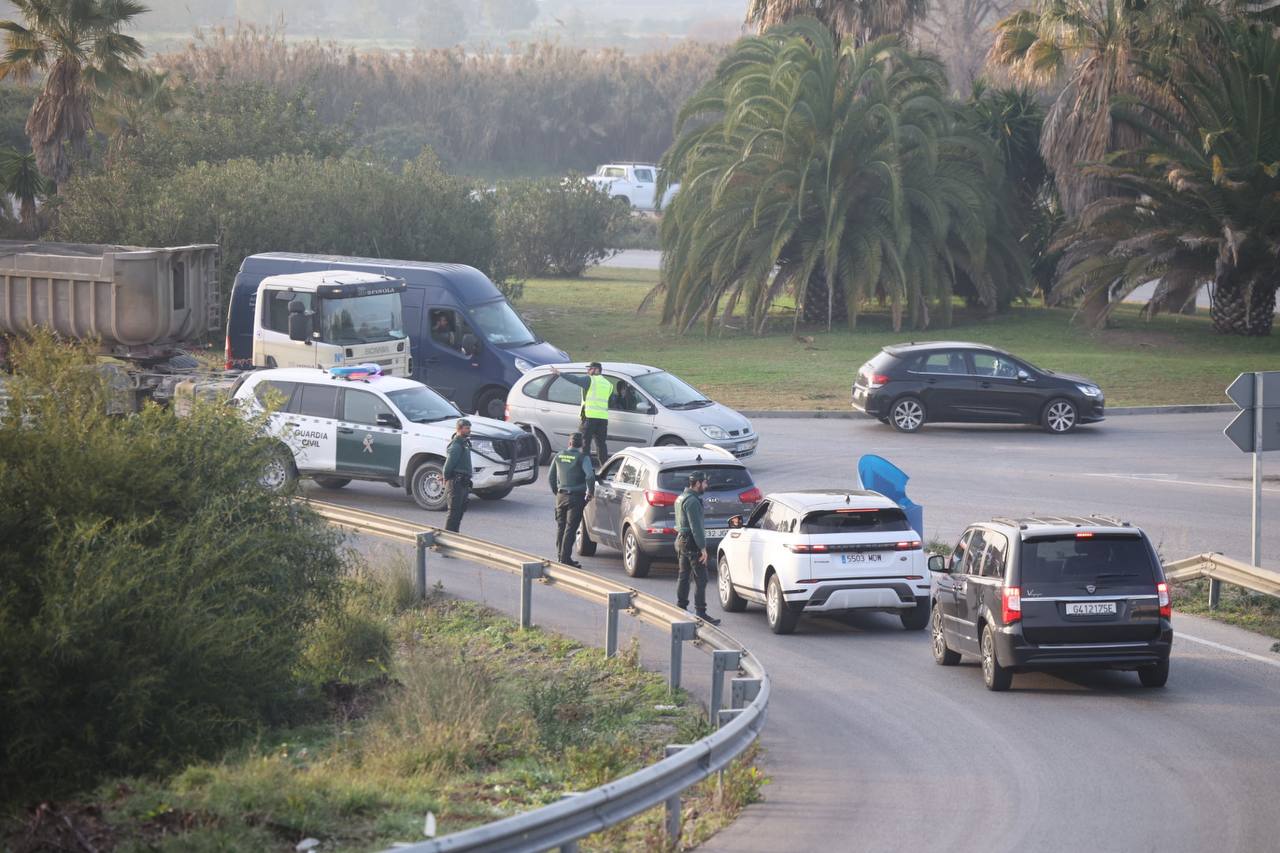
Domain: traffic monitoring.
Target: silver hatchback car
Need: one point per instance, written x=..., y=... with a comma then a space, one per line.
x=648, y=407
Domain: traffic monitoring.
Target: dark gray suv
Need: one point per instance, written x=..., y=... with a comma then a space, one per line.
x=1035, y=593
x=636, y=491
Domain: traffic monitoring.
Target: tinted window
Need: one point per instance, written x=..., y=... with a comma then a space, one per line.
x=562, y=391
x=630, y=473
x=361, y=407
x=754, y=520
x=723, y=478
x=533, y=388
x=941, y=362
x=318, y=401
x=1101, y=559
x=273, y=395
x=854, y=521
x=957, y=556
x=973, y=554
x=607, y=472
x=778, y=518
x=990, y=364
x=422, y=405
x=993, y=561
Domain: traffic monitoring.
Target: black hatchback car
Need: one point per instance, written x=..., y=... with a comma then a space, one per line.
x=908, y=385
x=1045, y=592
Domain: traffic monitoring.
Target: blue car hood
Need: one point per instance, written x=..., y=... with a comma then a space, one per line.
x=539, y=353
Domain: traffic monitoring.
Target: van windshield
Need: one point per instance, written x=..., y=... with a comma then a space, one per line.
x=501, y=325
x=422, y=405
x=1076, y=559
x=361, y=319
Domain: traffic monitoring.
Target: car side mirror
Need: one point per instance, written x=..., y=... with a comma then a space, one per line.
x=386, y=419
x=735, y=521
x=299, y=322
x=644, y=407
x=938, y=563
x=470, y=344
x=1023, y=376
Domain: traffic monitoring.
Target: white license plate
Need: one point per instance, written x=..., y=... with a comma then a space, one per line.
x=715, y=534
x=861, y=558
x=1091, y=608
x=524, y=466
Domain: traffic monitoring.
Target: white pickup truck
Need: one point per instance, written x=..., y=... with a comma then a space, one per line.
x=635, y=183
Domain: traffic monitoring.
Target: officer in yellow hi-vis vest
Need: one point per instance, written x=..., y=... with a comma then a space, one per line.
x=595, y=408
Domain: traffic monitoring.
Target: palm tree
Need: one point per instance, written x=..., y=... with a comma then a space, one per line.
x=20, y=178
x=1094, y=45
x=1200, y=201
x=133, y=103
x=864, y=20
x=78, y=45
x=843, y=169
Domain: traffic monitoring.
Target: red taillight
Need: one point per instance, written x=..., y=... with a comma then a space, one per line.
x=1011, y=605
x=228, y=365
x=1084, y=535
x=657, y=498
x=808, y=549
x=908, y=546
x=661, y=531
x=1166, y=605
x=877, y=380
x=751, y=496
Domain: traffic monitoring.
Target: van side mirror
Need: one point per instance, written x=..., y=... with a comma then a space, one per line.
x=938, y=563
x=470, y=344
x=299, y=322
x=386, y=419
x=735, y=521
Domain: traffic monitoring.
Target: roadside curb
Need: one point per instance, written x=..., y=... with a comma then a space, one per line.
x=835, y=414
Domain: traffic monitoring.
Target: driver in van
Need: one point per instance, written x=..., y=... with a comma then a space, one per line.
x=442, y=329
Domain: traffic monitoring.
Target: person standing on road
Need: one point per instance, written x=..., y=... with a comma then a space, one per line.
x=457, y=473
x=691, y=545
x=596, y=391
x=572, y=481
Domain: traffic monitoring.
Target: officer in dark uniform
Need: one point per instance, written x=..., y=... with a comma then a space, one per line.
x=572, y=480
x=457, y=473
x=691, y=545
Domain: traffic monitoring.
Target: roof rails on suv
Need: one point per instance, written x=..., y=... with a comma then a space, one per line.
x=1092, y=520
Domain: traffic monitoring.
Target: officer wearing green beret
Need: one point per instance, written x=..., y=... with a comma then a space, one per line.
x=691, y=546
x=457, y=473
x=572, y=481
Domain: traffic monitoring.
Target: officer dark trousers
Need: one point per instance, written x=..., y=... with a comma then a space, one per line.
x=691, y=566
x=597, y=428
x=459, y=489
x=568, y=517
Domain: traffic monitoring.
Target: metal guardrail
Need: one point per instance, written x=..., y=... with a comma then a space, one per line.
x=1219, y=568
x=563, y=823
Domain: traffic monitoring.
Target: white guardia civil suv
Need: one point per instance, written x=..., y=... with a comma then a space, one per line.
x=824, y=551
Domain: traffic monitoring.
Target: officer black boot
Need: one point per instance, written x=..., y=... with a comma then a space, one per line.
x=707, y=617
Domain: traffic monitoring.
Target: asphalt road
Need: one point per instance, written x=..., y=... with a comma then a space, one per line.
x=870, y=746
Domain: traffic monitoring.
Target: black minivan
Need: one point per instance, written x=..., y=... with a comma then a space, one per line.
x=1043, y=592
x=908, y=385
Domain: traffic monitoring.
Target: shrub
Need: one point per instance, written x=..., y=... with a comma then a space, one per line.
x=638, y=231
x=559, y=226
x=153, y=598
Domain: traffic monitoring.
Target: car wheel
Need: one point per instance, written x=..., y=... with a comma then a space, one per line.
x=544, y=447
x=278, y=471
x=782, y=619
x=586, y=545
x=671, y=441
x=1155, y=676
x=907, y=414
x=427, y=486
x=917, y=617
x=995, y=676
x=942, y=654
x=730, y=601
x=492, y=404
x=495, y=494
x=1059, y=416
x=331, y=482
x=622, y=201
x=635, y=561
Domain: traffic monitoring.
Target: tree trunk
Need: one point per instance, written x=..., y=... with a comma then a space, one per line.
x=814, y=310
x=1243, y=303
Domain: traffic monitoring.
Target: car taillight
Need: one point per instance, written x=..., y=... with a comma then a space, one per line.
x=751, y=496
x=228, y=365
x=877, y=380
x=1011, y=605
x=1166, y=605
x=908, y=546
x=657, y=498
x=808, y=549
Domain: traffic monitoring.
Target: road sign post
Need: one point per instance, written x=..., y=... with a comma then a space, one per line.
x=1255, y=430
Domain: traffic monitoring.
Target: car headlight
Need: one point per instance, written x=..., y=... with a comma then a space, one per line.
x=1090, y=390
x=523, y=366
x=484, y=447
x=712, y=431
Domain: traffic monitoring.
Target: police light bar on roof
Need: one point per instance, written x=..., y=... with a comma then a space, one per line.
x=355, y=371
x=371, y=288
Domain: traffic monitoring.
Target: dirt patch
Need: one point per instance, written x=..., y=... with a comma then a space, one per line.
x=63, y=826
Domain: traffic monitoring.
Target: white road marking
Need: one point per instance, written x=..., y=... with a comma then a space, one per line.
x=1177, y=635
x=1161, y=479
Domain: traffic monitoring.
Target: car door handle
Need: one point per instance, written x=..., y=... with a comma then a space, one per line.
x=291, y=423
x=345, y=430
x=986, y=384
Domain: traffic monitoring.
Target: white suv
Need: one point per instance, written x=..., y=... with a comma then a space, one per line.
x=382, y=428
x=824, y=551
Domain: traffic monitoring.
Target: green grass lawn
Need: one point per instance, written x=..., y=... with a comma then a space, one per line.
x=1236, y=606
x=1168, y=360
